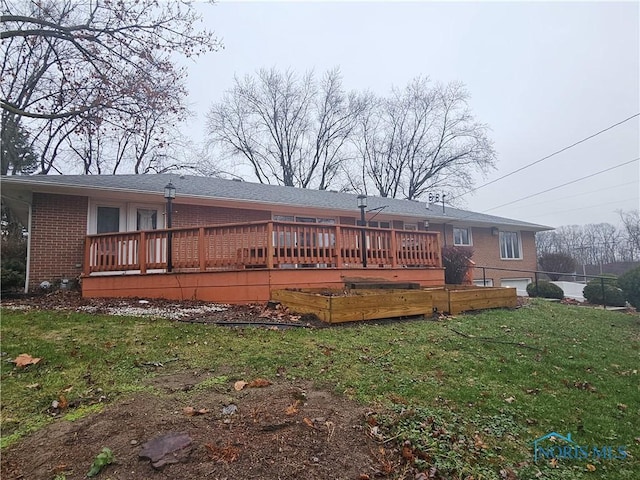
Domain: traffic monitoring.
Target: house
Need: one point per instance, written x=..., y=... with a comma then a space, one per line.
x=234, y=241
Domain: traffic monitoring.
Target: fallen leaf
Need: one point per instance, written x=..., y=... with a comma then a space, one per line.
x=226, y=454
x=33, y=386
x=622, y=406
x=259, y=383
x=68, y=389
x=554, y=462
x=591, y=468
x=63, y=403
x=190, y=411
x=25, y=359
x=293, y=408
x=510, y=399
x=479, y=443
x=508, y=474
x=407, y=454
x=307, y=422
x=239, y=385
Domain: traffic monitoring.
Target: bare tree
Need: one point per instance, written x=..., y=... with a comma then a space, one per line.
x=421, y=137
x=74, y=66
x=631, y=225
x=591, y=244
x=291, y=130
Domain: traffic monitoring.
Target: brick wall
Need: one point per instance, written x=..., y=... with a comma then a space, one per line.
x=197, y=215
x=58, y=228
x=487, y=253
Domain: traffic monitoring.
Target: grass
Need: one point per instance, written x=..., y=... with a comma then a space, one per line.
x=467, y=396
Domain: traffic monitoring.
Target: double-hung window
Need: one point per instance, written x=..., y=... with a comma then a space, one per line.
x=462, y=236
x=510, y=247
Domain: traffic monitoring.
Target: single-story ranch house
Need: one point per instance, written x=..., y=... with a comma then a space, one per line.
x=232, y=241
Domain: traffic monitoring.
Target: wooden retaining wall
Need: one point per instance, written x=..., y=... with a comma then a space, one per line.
x=455, y=299
x=336, y=307
x=354, y=305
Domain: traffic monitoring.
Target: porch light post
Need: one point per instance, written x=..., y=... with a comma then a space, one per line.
x=169, y=195
x=362, y=204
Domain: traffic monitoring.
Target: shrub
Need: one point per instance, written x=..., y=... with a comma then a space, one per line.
x=630, y=285
x=13, y=266
x=456, y=263
x=557, y=262
x=613, y=296
x=11, y=279
x=545, y=290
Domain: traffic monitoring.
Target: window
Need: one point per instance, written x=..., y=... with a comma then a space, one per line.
x=376, y=224
x=411, y=227
x=108, y=219
x=146, y=219
x=461, y=236
x=283, y=218
x=510, y=245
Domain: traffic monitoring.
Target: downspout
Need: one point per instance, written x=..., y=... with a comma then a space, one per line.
x=28, y=266
x=444, y=234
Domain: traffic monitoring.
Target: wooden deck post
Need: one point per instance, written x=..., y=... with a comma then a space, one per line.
x=142, y=253
x=394, y=249
x=201, y=250
x=338, y=247
x=270, y=247
x=87, y=256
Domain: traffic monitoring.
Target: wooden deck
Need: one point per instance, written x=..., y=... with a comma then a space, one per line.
x=242, y=263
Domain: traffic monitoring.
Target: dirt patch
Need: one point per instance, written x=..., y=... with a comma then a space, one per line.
x=278, y=431
x=267, y=314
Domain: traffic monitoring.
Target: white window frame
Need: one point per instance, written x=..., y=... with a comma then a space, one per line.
x=128, y=214
x=92, y=223
x=469, y=237
x=132, y=215
x=504, y=251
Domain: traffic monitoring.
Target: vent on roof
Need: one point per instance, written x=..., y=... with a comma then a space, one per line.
x=237, y=180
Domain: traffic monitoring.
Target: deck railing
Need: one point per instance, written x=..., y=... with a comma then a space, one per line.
x=260, y=245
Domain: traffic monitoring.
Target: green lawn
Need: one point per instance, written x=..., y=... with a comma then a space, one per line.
x=469, y=394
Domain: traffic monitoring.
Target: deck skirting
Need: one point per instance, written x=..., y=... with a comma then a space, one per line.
x=244, y=286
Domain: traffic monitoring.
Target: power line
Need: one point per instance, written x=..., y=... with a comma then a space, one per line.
x=548, y=156
x=565, y=184
x=585, y=208
x=581, y=194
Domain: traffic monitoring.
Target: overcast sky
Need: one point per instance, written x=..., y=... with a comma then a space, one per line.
x=542, y=75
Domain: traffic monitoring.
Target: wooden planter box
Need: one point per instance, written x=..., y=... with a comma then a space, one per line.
x=336, y=306
x=454, y=299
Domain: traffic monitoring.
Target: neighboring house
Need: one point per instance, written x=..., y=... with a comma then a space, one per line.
x=110, y=231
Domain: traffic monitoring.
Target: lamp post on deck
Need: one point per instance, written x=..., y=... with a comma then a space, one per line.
x=362, y=204
x=169, y=195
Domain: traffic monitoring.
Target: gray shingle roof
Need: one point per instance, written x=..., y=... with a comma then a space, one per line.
x=218, y=188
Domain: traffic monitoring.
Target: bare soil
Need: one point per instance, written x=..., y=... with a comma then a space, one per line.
x=281, y=430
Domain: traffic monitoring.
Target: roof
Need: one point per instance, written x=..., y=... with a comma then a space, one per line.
x=197, y=187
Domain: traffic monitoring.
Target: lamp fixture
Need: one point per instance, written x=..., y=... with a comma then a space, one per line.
x=169, y=191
